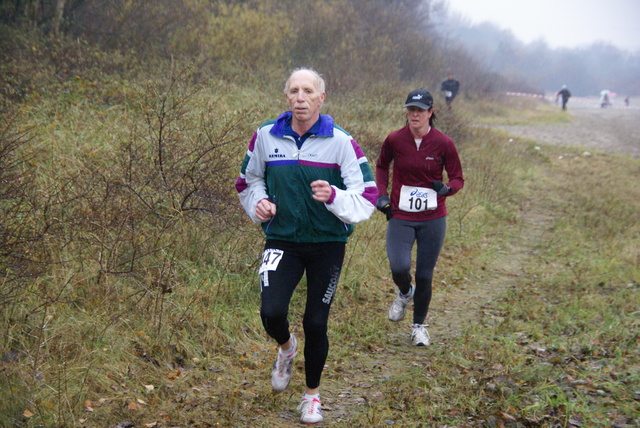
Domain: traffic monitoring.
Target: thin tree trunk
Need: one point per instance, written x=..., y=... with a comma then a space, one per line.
x=57, y=18
x=32, y=12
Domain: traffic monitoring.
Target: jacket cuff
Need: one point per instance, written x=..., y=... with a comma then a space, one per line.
x=333, y=195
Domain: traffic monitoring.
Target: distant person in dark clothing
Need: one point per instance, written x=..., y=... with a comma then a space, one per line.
x=450, y=88
x=565, y=95
x=626, y=102
x=605, y=101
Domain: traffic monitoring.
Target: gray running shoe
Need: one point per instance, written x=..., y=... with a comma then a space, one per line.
x=420, y=335
x=281, y=373
x=399, y=306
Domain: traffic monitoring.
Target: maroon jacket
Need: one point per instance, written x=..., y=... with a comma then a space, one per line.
x=418, y=168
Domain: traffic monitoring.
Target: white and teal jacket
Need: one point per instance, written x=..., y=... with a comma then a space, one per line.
x=275, y=168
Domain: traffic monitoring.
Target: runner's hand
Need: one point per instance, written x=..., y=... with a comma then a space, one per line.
x=383, y=204
x=321, y=190
x=265, y=210
x=440, y=188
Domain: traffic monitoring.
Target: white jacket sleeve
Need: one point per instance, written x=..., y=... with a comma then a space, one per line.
x=357, y=202
x=250, y=185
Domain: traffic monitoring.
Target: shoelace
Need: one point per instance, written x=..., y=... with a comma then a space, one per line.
x=284, y=362
x=310, y=406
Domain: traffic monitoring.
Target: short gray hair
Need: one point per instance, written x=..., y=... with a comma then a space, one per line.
x=320, y=85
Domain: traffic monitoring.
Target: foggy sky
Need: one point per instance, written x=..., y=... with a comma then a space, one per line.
x=560, y=23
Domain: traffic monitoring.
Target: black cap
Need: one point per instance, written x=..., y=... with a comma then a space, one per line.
x=419, y=98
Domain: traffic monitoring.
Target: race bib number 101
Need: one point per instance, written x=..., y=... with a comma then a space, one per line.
x=415, y=199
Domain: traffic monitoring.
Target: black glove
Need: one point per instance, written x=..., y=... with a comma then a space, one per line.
x=440, y=188
x=383, y=204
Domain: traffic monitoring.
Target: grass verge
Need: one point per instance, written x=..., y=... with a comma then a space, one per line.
x=534, y=316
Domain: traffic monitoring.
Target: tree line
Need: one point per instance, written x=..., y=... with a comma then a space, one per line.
x=355, y=43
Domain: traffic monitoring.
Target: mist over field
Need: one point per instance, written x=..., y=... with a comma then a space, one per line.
x=129, y=293
x=585, y=70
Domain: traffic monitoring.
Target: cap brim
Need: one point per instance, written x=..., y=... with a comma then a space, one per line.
x=423, y=106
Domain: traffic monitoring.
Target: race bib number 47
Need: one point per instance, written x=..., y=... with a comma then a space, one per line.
x=270, y=259
x=415, y=199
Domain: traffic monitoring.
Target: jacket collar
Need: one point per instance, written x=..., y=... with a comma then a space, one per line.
x=322, y=128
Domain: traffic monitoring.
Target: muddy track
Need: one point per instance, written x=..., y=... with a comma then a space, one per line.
x=454, y=307
x=612, y=130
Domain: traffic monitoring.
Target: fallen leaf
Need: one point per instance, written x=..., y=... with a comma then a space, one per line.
x=506, y=416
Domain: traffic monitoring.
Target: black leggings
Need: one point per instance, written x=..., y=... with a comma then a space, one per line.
x=282, y=268
x=429, y=235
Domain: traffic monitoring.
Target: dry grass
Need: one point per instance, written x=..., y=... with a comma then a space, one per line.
x=133, y=290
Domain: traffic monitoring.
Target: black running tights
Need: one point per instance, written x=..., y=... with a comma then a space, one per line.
x=282, y=268
x=429, y=236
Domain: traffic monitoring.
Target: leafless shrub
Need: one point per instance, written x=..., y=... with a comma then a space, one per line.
x=20, y=230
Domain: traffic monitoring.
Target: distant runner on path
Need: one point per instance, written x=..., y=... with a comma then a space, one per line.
x=450, y=88
x=565, y=95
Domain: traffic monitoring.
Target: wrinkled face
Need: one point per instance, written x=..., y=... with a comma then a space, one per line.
x=418, y=118
x=304, y=97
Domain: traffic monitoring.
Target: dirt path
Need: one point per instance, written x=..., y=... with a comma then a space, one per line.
x=612, y=130
x=455, y=307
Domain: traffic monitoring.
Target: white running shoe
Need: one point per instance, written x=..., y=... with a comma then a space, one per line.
x=420, y=335
x=310, y=411
x=399, y=305
x=281, y=373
